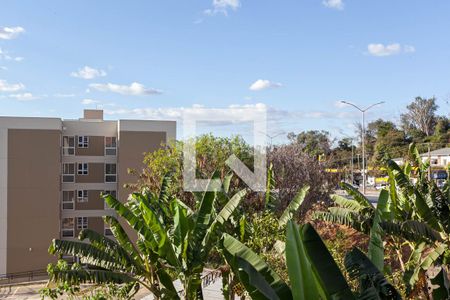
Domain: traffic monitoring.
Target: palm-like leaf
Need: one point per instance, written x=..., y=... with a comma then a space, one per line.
x=413, y=231
x=372, y=281
x=357, y=196
x=376, y=248
x=258, y=278
x=326, y=271
x=293, y=206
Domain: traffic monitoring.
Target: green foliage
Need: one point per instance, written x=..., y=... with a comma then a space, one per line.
x=415, y=215
x=212, y=153
x=313, y=274
x=172, y=243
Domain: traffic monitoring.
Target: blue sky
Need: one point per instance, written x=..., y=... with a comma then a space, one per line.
x=150, y=59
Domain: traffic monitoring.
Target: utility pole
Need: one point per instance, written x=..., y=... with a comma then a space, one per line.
x=363, y=133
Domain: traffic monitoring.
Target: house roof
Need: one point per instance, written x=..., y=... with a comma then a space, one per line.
x=438, y=152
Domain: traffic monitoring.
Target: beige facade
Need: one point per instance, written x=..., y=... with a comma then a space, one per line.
x=52, y=175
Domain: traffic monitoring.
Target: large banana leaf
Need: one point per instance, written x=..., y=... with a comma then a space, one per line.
x=136, y=222
x=373, y=284
x=376, y=248
x=88, y=253
x=111, y=247
x=165, y=248
x=91, y=276
x=346, y=217
x=180, y=231
x=293, y=206
x=412, y=230
x=347, y=203
x=422, y=208
x=122, y=238
x=221, y=218
x=303, y=282
x=412, y=277
x=257, y=277
x=327, y=272
x=357, y=195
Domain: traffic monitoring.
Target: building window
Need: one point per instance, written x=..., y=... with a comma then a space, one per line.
x=82, y=222
x=68, y=145
x=68, y=172
x=67, y=227
x=110, y=173
x=108, y=231
x=83, y=169
x=82, y=196
x=112, y=193
x=68, y=199
x=110, y=145
x=83, y=141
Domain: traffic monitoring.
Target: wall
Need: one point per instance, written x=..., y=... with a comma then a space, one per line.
x=34, y=164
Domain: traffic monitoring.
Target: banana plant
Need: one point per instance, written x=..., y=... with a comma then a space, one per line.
x=413, y=215
x=313, y=273
x=173, y=242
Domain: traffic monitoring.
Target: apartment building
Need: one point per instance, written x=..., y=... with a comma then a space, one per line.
x=52, y=172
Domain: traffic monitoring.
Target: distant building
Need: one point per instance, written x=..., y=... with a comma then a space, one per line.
x=439, y=158
x=52, y=172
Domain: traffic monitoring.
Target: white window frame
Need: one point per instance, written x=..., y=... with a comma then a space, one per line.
x=67, y=229
x=84, y=170
x=84, y=196
x=65, y=149
x=110, y=175
x=64, y=175
x=72, y=201
x=83, y=141
x=83, y=225
x=111, y=148
x=109, y=192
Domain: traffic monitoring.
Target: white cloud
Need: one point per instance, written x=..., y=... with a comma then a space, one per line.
x=61, y=95
x=89, y=101
x=3, y=68
x=222, y=6
x=10, y=87
x=409, y=49
x=389, y=49
x=88, y=73
x=134, y=89
x=6, y=56
x=262, y=84
x=8, y=33
x=23, y=97
x=335, y=4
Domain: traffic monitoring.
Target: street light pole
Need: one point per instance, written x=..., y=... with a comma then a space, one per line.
x=363, y=133
x=271, y=137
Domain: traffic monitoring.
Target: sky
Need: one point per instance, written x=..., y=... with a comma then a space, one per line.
x=155, y=59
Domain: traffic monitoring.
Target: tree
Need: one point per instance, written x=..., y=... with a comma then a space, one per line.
x=312, y=142
x=293, y=169
x=420, y=116
x=389, y=141
x=212, y=153
x=173, y=242
x=441, y=136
